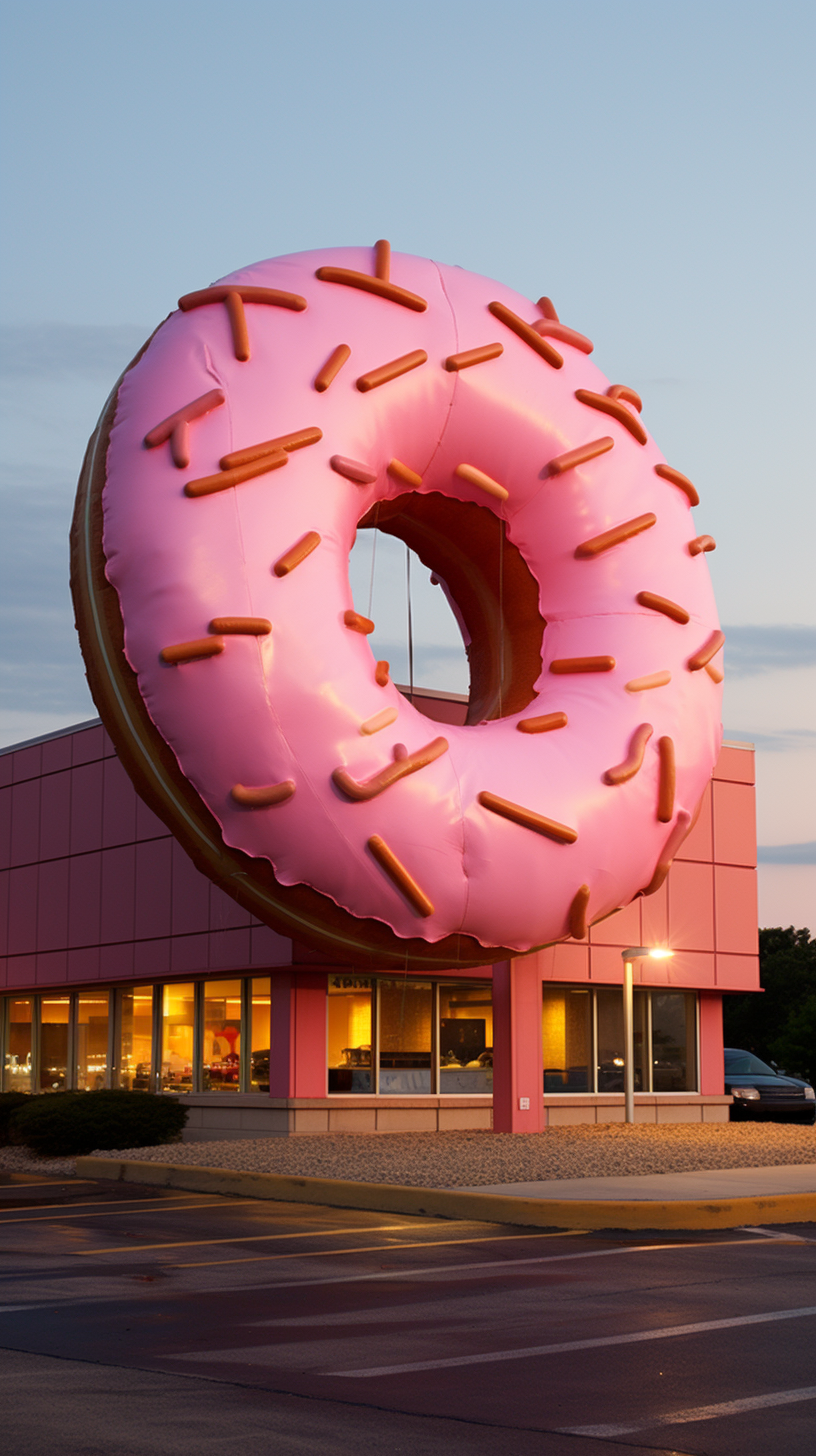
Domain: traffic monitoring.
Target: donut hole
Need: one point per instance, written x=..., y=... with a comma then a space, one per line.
x=494, y=592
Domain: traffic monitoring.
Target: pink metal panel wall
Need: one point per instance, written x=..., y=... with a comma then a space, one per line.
x=101, y=889
x=92, y=885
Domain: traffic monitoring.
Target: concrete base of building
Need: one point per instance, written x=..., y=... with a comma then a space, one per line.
x=213, y=1116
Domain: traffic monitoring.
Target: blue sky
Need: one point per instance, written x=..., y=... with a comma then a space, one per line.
x=647, y=165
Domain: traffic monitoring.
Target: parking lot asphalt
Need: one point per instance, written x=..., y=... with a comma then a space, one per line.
x=145, y=1320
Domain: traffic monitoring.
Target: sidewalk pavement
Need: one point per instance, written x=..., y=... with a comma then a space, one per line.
x=704, y=1183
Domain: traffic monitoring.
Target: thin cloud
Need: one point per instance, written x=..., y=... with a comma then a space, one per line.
x=48, y=350
x=787, y=854
x=787, y=740
x=753, y=650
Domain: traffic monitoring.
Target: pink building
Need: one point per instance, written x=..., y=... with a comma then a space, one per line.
x=121, y=965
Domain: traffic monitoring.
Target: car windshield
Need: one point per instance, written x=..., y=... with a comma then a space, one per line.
x=742, y=1063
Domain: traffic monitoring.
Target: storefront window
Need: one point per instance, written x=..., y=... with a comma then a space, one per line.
x=674, y=1042
x=466, y=1039
x=91, y=1041
x=566, y=1039
x=222, y=1036
x=17, y=1069
x=349, y=1034
x=178, y=1022
x=55, y=1016
x=134, y=1050
x=261, y=1036
x=611, y=1043
x=406, y=1016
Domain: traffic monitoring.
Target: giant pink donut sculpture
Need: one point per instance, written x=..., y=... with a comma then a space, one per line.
x=235, y=460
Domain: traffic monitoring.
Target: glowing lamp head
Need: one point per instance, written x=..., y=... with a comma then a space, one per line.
x=641, y=952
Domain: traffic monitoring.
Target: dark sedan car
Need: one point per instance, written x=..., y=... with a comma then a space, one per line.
x=761, y=1094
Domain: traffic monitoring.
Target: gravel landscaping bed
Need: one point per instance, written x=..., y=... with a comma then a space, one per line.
x=470, y=1159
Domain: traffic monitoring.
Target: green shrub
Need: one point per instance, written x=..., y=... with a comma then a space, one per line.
x=9, y=1102
x=69, y=1124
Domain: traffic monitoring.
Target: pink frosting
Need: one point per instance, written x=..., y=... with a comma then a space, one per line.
x=289, y=705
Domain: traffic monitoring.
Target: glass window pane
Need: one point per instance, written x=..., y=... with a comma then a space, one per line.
x=222, y=1036
x=134, y=1051
x=466, y=1038
x=674, y=1042
x=406, y=1011
x=55, y=1014
x=566, y=1039
x=610, y=1040
x=261, y=1033
x=92, y=1041
x=177, y=1038
x=349, y=1034
x=17, y=1070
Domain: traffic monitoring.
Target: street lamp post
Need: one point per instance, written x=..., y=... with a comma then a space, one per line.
x=630, y=955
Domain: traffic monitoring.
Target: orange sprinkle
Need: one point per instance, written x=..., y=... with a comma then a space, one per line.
x=403, y=764
x=549, y=330
x=264, y=797
x=382, y=673
x=652, y=680
x=238, y=326
x=295, y=440
x=382, y=259
x=401, y=472
x=668, y=776
x=482, y=481
x=400, y=876
x=211, y=484
x=180, y=445
x=243, y=626
x=544, y=724
x=624, y=532
x=548, y=309
x=247, y=292
x=455, y=362
x=392, y=370
x=332, y=367
x=709, y=649
x=578, y=913
x=662, y=604
x=353, y=470
x=631, y=396
x=666, y=472
x=380, y=286
x=526, y=333
x=582, y=664
x=668, y=852
x=190, y=651
x=176, y=427
x=616, y=409
x=297, y=553
x=527, y=818
x=701, y=543
x=380, y=720
x=580, y=455
x=633, y=761
x=714, y=673
x=358, y=623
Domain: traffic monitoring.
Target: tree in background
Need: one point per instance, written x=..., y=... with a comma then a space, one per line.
x=780, y=1025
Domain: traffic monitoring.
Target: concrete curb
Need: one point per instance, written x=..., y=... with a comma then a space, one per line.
x=449, y=1203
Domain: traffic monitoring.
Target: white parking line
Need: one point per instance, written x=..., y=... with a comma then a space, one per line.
x=531, y=1351
x=777, y=1234
x=488, y=1266
x=696, y=1413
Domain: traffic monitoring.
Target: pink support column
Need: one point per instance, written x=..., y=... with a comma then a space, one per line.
x=518, y=1067
x=711, y=1046
x=297, y=1058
